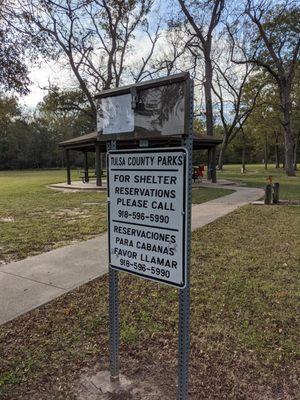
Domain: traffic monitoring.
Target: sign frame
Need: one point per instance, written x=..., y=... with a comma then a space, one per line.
x=184, y=213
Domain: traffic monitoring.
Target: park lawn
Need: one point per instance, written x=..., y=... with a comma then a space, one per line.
x=201, y=195
x=244, y=321
x=34, y=218
x=256, y=176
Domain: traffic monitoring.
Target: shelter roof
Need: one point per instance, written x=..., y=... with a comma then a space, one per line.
x=87, y=142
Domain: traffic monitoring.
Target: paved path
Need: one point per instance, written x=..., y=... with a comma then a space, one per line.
x=27, y=284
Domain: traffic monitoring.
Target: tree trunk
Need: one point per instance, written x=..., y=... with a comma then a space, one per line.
x=222, y=152
x=86, y=167
x=277, y=157
x=266, y=152
x=98, y=164
x=207, y=90
x=244, y=154
x=289, y=152
x=208, y=102
x=289, y=140
x=68, y=166
x=295, y=152
x=277, y=162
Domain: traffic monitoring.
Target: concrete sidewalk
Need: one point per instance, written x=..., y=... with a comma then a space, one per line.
x=27, y=284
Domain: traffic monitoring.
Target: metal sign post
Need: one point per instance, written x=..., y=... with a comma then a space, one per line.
x=150, y=196
x=113, y=310
x=184, y=295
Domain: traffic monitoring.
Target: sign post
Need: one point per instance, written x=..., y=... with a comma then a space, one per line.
x=113, y=312
x=150, y=190
x=184, y=294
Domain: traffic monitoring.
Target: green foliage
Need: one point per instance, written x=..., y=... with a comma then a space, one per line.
x=264, y=125
x=199, y=126
x=31, y=141
x=13, y=70
x=129, y=334
x=282, y=25
x=65, y=103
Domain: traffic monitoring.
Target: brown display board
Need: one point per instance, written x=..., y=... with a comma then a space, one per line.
x=149, y=109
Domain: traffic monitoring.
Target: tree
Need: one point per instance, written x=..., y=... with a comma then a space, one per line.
x=172, y=57
x=296, y=114
x=66, y=114
x=275, y=48
x=66, y=102
x=95, y=38
x=11, y=130
x=13, y=70
x=30, y=139
x=263, y=125
x=203, y=17
x=230, y=88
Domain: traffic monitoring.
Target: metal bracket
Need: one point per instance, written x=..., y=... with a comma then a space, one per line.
x=134, y=98
x=144, y=143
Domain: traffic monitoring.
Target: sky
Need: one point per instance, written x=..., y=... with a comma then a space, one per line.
x=52, y=72
x=49, y=71
x=40, y=76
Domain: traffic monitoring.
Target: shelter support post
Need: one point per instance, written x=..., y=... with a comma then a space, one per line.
x=86, y=166
x=113, y=312
x=213, y=165
x=98, y=165
x=209, y=164
x=68, y=167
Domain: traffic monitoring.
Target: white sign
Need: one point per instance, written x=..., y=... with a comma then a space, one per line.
x=115, y=115
x=147, y=213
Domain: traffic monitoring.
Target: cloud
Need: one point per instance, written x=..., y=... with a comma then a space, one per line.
x=41, y=75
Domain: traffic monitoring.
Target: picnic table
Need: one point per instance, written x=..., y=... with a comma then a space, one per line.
x=85, y=176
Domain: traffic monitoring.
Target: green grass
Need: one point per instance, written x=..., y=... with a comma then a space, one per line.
x=244, y=321
x=34, y=218
x=256, y=176
x=201, y=195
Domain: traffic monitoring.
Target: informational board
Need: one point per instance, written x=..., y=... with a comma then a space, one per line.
x=147, y=191
x=112, y=108
x=161, y=110
x=148, y=109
